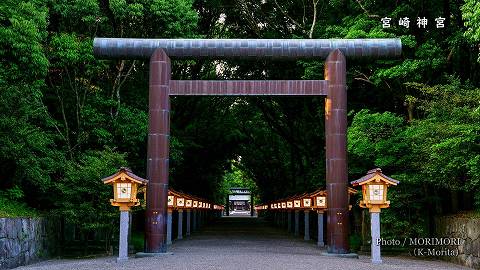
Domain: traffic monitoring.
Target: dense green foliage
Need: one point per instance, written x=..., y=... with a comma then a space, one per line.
x=471, y=15
x=68, y=119
x=12, y=205
x=234, y=178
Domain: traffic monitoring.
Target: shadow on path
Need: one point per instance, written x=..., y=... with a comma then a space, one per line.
x=246, y=235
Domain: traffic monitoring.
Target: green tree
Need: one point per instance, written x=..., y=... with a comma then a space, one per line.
x=235, y=177
x=471, y=16
x=82, y=198
x=28, y=149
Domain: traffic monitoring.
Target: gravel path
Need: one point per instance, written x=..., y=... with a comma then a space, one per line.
x=243, y=243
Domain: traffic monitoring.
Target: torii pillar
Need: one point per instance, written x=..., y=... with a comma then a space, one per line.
x=158, y=152
x=333, y=87
x=336, y=153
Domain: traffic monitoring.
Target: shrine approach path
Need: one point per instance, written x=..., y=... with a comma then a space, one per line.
x=243, y=243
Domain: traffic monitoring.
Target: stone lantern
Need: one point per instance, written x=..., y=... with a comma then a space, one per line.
x=374, y=197
x=125, y=186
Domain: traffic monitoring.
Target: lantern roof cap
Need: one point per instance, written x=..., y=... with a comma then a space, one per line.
x=172, y=192
x=374, y=174
x=126, y=171
x=322, y=191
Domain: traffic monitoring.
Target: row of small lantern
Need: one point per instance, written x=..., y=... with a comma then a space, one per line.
x=374, y=197
x=374, y=190
x=179, y=200
x=283, y=209
x=316, y=200
x=305, y=203
x=126, y=187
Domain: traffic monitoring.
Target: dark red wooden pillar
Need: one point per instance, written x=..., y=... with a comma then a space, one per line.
x=157, y=156
x=336, y=153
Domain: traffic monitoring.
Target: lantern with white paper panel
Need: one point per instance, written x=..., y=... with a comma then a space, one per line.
x=307, y=202
x=125, y=185
x=171, y=201
x=297, y=203
x=289, y=204
x=374, y=197
x=319, y=199
x=180, y=202
x=374, y=189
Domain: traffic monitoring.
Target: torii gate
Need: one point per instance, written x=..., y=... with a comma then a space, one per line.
x=162, y=87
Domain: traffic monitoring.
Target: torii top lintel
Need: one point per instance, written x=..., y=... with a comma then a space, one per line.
x=131, y=48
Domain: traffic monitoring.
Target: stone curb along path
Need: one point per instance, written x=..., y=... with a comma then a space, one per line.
x=25, y=240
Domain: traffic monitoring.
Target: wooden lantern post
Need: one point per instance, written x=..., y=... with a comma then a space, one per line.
x=125, y=186
x=374, y=191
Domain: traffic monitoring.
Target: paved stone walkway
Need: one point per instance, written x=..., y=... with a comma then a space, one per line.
x=243, y=243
